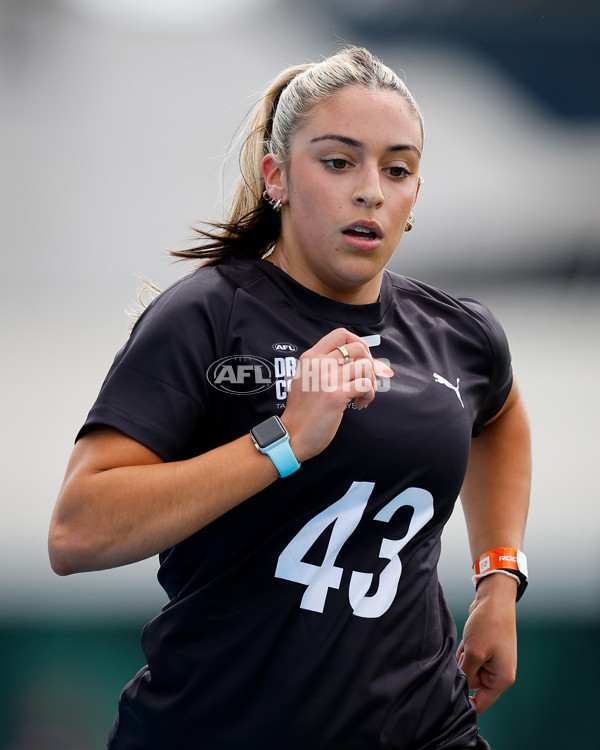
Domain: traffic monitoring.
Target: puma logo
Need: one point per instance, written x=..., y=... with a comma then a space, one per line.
x=455, y=388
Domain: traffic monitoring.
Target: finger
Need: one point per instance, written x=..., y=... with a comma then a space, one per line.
x=364, y=393
x=325, y=373
x=470, y=667
x=328, y=343
x=354, y=365
x=353, y=349
x=382, y=370
x=344, y=347
x=338, y=337
x=362, y=372
x=483, y=698
x=359, y=381
x=360, y=368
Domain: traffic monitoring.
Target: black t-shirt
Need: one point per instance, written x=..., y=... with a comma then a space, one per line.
x=310, y=616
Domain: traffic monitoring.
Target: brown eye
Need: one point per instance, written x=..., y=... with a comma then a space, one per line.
x=337, y=164
x=398, y=172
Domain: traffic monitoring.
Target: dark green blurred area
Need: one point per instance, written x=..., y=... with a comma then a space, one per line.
x=61, y=684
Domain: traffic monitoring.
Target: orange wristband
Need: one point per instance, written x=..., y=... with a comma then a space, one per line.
x=507, y=560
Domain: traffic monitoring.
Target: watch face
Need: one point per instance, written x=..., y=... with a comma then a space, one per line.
x=268, y=432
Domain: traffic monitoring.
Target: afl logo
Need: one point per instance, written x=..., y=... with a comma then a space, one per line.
x=241, y=375
x=283, y=347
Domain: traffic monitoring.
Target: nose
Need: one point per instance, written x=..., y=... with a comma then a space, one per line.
x=368, y=192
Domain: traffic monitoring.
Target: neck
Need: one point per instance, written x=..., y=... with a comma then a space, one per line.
x=364, y=293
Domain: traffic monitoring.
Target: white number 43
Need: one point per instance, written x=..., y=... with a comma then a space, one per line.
x=345, y=514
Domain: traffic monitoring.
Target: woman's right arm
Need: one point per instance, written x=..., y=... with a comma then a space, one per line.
x=120, y=503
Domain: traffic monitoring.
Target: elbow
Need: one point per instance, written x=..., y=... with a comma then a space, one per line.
x=72, y=536
x=61, y=556
x=65, y=550
x=61, y=566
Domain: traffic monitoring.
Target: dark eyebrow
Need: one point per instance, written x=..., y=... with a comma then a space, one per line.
x=405, y=147
x=358, y=144
x=341, y=138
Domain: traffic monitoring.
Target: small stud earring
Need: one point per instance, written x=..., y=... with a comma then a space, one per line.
x=409, y=222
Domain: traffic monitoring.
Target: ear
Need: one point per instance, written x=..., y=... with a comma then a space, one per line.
x=274, y=177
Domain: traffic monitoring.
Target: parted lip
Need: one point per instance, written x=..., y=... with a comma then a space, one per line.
x=373, y=226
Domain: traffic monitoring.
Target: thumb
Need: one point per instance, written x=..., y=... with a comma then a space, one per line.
x=483, y=698
x=470, y=666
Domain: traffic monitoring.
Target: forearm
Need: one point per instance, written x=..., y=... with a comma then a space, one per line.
x=120, y=515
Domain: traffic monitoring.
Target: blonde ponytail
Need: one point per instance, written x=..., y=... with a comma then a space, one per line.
x=249, y=188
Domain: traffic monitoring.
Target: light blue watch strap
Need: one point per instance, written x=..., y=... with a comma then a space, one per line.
x=283, y=457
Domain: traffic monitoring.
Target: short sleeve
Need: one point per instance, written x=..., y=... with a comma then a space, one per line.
x=500, y=373
x=156, y=391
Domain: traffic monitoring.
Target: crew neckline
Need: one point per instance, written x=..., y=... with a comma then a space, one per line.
x=325, y=307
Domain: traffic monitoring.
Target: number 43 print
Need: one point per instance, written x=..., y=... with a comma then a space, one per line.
x=345, y=514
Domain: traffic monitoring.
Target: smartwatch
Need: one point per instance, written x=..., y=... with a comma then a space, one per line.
x=271, y=437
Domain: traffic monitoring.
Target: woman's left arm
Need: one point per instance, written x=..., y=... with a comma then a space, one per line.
x=495, y=499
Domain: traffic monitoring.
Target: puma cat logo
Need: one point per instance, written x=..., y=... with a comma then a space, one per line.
x=455, y=388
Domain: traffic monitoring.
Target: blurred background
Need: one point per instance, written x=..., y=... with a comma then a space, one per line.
x=115, y=118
